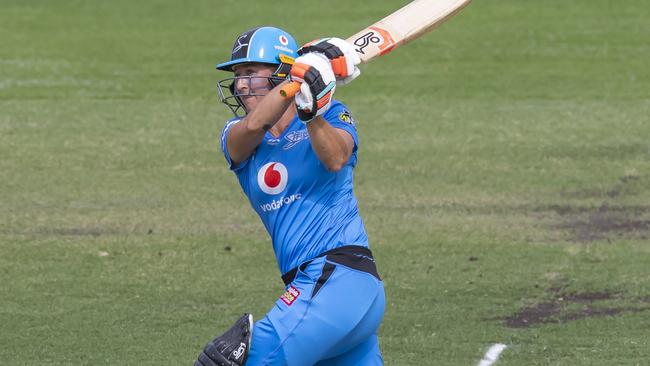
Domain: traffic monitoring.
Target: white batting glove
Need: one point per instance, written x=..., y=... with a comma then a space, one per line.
x=343, y=57
x=314, y=71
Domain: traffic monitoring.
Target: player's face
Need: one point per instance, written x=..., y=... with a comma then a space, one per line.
x=252, y=82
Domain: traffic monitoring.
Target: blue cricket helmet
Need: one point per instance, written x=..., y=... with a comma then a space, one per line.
x=268, y=45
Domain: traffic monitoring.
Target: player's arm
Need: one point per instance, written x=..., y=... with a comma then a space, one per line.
x=333, y=146
x=321, y=65
x=247, y=134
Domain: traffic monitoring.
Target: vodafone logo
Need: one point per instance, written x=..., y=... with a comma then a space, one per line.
x=284, y=40
x=272, y=178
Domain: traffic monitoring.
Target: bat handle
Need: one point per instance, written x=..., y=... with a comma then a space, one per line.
x=290, y=89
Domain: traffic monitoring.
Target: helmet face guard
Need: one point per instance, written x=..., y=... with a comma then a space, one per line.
x=257, y=86
x=265, y=45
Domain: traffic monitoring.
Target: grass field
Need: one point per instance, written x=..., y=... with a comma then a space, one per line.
x=504, y=179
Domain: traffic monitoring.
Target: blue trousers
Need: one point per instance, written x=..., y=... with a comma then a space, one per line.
x=329, y=315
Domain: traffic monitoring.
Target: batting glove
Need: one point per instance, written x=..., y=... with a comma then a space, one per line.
x=315, y=73
x=342, y=56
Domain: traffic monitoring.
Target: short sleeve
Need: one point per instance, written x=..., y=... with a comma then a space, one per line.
x=224, y=145
x=339, y=116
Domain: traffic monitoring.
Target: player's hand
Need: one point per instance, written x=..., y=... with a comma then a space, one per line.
x=342, y=56
x=315, y=73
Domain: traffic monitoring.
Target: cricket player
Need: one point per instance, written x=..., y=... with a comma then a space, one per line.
x=294, y=159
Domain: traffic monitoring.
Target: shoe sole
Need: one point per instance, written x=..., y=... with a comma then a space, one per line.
x=250, y=331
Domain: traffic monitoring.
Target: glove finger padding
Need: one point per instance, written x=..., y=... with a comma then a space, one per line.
x=315, y=73
x=304, y=99
x=348, y=79
x=342, y=56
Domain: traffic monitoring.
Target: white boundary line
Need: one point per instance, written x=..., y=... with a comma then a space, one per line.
x=492, y=355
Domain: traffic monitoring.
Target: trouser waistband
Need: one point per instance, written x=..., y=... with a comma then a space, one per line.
x=353, y=256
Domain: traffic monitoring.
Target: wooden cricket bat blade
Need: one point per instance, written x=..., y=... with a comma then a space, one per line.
x=398, y=28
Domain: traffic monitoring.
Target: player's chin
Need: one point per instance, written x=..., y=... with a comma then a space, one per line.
x=250, y=101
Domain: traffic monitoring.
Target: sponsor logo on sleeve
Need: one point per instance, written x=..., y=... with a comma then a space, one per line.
x=346, y=117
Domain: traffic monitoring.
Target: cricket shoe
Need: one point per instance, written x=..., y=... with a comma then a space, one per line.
x=230, y=348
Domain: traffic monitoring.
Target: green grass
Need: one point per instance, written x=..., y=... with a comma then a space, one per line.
x=504, y=159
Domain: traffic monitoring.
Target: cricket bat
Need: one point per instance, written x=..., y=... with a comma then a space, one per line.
x=398, y=28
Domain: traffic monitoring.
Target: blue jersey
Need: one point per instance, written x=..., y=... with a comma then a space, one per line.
x=305, y=208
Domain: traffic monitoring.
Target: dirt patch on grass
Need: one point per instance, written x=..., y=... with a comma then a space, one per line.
x=562, y=309
x=531, y=315
x=587, y=296
x=608, y=220
x=590, y=312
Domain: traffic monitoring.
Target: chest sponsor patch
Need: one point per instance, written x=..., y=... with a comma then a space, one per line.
x=290, y=295
x=280, y=202
x=272, y=178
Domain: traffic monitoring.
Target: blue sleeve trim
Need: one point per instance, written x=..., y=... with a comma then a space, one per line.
x=224, y=146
